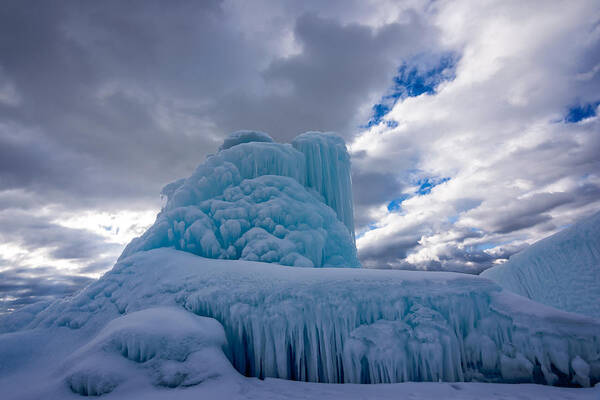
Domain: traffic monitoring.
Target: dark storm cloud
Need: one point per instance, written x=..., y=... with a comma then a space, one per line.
x=372, y=189
x=518, y=214
x=92, y=81
x=340, y=67
x=393, y=253
x=33, y=233
x=120, y=98
x=22, y=286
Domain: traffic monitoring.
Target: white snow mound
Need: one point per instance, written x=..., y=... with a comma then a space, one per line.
x=168, y=345
x=562, y=270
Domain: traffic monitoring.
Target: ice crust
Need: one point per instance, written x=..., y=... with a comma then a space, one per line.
x=562, y=270
x=263, y=201
x=342, y=325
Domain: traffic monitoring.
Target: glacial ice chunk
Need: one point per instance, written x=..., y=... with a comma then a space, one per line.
x=562, y=270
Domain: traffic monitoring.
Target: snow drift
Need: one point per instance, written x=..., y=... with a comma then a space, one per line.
x=263, y=201
x=172, y=347
x=562, y=271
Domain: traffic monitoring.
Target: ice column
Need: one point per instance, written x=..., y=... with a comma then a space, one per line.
x=328, y=172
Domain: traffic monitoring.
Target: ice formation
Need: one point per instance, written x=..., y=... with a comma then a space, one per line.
x=244, y=137
x=164, y=317
x=263, y=201
x=562, y=271
x=328, y=172
x=343, y=325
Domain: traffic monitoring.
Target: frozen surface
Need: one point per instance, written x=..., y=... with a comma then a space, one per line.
x=345, y=325
x=562, y=271
x=250, y=202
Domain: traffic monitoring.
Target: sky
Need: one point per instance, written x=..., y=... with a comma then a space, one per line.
x=472, y=125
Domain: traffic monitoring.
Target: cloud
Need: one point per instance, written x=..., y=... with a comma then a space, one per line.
x=519, y=168
x=339, y=69
x=35, y=232
x=22, y=286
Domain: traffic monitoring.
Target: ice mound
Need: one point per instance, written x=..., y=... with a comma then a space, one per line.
x=562, y=271
x=263, y=201
x=170, y=346
x=343, y=325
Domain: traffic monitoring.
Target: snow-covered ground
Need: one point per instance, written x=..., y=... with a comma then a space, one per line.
x=141, y=332
x=562, y=271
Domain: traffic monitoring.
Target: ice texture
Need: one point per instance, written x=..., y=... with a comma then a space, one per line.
x=259, y=201
x=328, y=172
x=343, y=325
x=239, y=137
x=562, y=270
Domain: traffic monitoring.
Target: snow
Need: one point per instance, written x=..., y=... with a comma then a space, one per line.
x=562, y=271
x=168, y=345
x=249, y=202
x=337, y=325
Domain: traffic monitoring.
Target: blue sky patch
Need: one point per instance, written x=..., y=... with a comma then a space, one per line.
x=426, y=184
x=412, y=80
x=580, y=112
x=486, y=246
x=396, y=204
x=370, y=227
